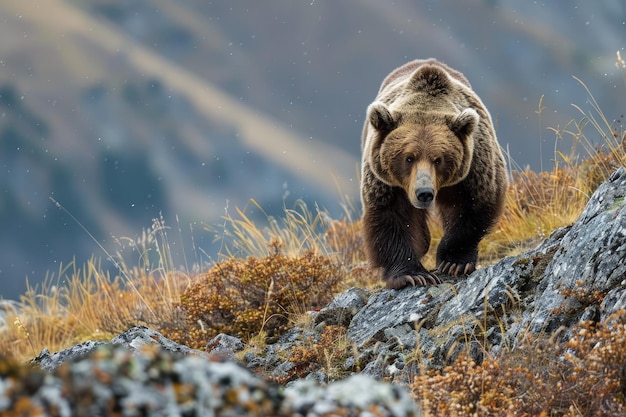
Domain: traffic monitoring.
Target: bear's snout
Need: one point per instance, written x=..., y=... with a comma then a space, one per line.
x=425, y=196
x=422, y=191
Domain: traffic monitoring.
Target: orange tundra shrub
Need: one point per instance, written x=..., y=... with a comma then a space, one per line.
x=242, y=297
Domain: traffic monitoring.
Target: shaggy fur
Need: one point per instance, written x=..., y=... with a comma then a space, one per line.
x=428, y=142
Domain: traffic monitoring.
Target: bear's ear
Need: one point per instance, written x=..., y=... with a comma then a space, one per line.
x=465, y=122
x=380, y=117
x=430, y=79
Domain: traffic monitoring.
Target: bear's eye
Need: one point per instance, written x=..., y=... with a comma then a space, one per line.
x=409, y=159
x=437, y=161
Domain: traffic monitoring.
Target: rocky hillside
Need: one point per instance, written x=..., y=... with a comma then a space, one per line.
x=562, y=291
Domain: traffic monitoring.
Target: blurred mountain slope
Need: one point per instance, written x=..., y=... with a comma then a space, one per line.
x=124, y=110
x=129, y=135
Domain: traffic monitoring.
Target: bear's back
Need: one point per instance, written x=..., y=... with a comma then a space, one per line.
x=401, y=74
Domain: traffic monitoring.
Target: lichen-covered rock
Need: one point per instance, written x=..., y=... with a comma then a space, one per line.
x=147, y=381
x=357, y=395
x=139, y=336
x=391, y=308
x=588, y=265
x=578, y=273
x=225, y=345
x=50, y=361
x=342, y=309
x=134, y=338
x=151, y=381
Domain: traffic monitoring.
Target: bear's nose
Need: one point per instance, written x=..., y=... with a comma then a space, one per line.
x=425, y=195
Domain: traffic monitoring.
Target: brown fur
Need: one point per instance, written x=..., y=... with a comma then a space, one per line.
x=428, y=141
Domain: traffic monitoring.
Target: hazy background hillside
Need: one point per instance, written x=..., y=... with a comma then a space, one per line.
x=121, y=110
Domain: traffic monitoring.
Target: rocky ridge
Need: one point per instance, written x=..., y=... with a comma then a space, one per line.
x=577, y=274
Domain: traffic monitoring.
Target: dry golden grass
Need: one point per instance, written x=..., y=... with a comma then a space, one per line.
x=299, y=230
x=79, y=303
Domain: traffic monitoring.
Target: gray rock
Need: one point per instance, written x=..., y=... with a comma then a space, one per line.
x=590, y=258
x=139, y=336
x=152, y=381
x=343, y=308
x=225, y=345
x=50, y=361
x=404, y=336
x=319, y=377
x=359, y=394
x=282, y=370
x=149, y=381
x=392, y=308
x=349, y=363
x=134, y=339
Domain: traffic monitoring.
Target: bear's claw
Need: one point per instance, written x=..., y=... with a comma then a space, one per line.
x=454, y=269
x=421, y=279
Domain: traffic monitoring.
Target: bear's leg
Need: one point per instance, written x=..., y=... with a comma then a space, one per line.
x=464, y=227
x=397, y=237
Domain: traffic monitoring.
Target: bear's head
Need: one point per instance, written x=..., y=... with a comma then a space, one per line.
x=421, y=142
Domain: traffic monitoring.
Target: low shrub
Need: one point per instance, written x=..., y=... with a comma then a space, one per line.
x=243, y=297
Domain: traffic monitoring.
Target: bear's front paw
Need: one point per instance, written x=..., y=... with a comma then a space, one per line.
x=421, y=279
x=456, y=269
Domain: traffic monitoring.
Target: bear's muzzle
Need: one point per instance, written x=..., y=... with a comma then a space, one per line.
x=424, y=190
x=425, y=196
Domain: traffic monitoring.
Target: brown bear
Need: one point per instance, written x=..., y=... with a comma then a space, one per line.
x=428, y=142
